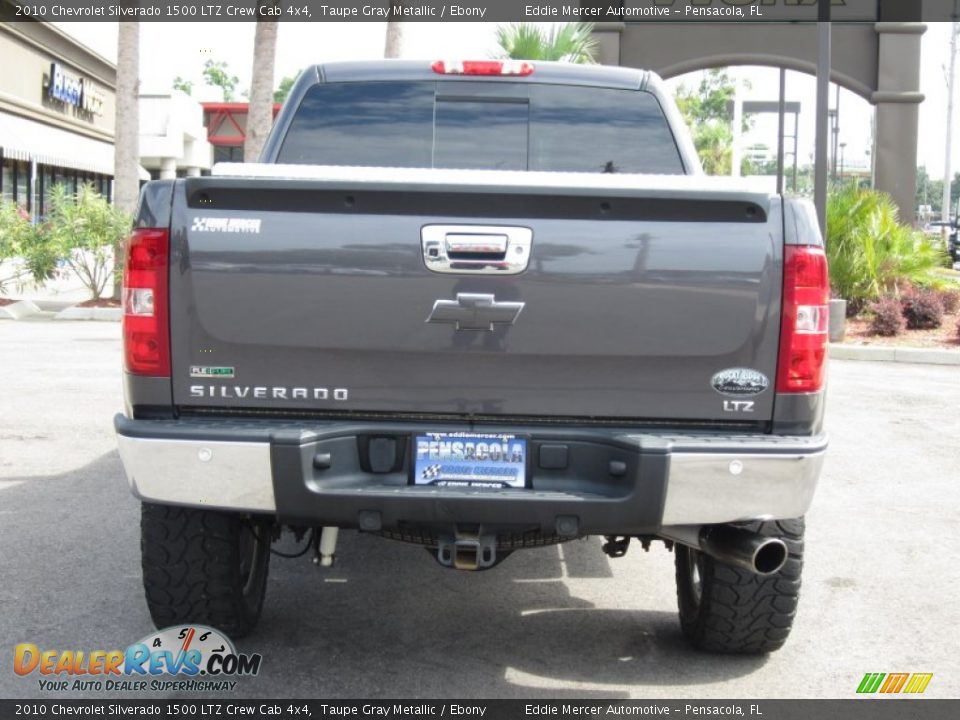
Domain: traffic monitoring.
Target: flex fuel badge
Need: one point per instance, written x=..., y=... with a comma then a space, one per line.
x=208, y=371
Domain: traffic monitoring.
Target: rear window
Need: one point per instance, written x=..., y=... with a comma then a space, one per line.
x=476, y=125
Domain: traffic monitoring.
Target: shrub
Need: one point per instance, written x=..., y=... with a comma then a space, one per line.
x=25, y=251
x=922, y=309
x=958, y=328
x=887, y=317
x=84, y=229
x=870, y=253
x=950, y=300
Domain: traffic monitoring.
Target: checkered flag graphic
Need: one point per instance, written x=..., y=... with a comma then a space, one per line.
x=431, y=472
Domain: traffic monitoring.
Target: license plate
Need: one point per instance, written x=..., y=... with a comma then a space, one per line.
x=470, y=460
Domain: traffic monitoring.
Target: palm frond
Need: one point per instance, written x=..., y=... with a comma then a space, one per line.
x=568, y=42
x=871, y=254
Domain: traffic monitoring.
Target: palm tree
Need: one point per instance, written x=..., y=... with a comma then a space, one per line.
x=870, y=252
x=569, y=42
x=394, y=42
x=126, y=159
x=260, y=112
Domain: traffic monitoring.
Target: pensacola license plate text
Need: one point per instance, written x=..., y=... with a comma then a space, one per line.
x=473, y=460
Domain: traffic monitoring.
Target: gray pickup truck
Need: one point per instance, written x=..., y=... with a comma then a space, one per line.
x=480, y=307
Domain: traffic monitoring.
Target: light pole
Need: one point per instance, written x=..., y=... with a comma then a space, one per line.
x=832, y=115
x=835, y=114
x=843, y=145
x=948, y=149
x=823, y=102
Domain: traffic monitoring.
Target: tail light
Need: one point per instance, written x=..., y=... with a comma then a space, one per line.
x=806, y=307
x=482, y=67
x=146, y=330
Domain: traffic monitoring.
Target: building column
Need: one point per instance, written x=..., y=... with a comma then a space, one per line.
x=607, y=35
x=32, y=203
x=897, y=102
x=193, y=172
x=168, y=169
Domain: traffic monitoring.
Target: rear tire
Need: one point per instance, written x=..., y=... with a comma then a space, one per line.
x=726, y=609
x=203, y=566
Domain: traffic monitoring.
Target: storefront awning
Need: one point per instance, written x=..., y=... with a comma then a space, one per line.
x=28, y=140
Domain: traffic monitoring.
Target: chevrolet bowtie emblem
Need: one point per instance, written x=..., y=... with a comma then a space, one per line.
x=475, y=312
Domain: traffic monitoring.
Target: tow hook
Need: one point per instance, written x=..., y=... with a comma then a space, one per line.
x=467, y=550
x=616, y=546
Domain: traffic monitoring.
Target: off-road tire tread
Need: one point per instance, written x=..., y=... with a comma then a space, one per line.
x=741, y=612
x=190, y=561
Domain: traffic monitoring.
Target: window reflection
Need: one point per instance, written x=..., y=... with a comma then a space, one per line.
x=502, y=126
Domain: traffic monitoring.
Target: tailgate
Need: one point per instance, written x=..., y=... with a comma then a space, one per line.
x=635, y=297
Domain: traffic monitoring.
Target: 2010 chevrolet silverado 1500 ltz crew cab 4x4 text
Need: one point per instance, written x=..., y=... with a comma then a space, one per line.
x=481, y=307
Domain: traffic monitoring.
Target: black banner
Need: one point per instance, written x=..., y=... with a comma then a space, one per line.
x=597, y=11
x=188, y=709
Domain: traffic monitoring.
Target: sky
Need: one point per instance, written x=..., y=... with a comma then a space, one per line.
x=301, y=44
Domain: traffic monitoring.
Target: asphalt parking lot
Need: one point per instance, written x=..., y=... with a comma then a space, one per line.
x=880, y=585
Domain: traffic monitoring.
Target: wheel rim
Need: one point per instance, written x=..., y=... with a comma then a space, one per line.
x=250, y=557
x=695, y=568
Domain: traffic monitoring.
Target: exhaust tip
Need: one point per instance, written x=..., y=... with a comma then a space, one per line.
x=770, y=556
x=760, y=554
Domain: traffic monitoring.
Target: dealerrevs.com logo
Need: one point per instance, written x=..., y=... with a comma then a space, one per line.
x=180, y=658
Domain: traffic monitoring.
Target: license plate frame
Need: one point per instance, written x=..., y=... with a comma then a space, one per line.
x=450, y=460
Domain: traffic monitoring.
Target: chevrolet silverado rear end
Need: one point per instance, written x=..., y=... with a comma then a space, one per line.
x=479, y=307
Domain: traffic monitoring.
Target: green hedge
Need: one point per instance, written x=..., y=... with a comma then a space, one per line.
x=871, y=253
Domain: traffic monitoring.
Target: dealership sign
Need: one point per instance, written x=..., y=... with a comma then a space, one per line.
x=74, y=91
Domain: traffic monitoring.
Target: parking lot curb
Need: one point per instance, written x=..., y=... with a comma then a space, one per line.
x=921, y=356
x=19, y=310
x=110, y=314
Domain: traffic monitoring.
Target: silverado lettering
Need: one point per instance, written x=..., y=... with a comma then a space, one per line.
x=242, y=392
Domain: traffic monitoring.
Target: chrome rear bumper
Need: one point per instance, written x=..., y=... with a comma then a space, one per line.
x=671, y=479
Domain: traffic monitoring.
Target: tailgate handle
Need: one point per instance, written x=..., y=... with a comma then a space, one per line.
x=459, y=244
x=476, y=249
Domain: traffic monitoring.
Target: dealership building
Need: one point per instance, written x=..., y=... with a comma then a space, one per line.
x=57, y=103
x=57, y=117
x=173, y=139
x=226, y=124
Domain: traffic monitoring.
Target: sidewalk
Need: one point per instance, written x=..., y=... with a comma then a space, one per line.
x=65, y=289
x=56, y=299
x=923, y=356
